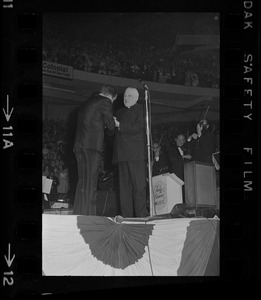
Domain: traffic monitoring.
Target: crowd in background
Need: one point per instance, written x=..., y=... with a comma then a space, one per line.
x=136, y=60
x=54, y=160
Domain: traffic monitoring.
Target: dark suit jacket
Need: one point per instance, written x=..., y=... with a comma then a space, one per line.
x=162, y=165
x=204, y=147
x=129, y=141
x=94, y=116
x=176, y=161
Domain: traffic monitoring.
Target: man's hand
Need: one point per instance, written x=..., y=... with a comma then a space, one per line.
x=193, y=135
x=199, y=129
x=117, y=123
x=187, y=156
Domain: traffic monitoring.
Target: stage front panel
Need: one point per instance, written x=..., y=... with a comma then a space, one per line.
x=99, y=246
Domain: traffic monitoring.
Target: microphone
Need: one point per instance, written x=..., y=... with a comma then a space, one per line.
x=144, y=85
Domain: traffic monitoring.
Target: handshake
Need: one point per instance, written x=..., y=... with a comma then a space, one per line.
x=117, y=123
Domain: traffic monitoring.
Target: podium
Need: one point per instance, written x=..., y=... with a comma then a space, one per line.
x=167, y=192
x=200, y=185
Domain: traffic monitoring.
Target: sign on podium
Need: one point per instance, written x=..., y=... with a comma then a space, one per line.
x=167, y=192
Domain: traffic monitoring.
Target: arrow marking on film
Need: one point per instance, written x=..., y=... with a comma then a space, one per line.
x=7, y=114
x=9, y=260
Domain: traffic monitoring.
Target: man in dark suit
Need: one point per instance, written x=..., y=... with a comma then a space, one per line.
x=129, y=153
x=160, y=163
x=177, y=155
x=94, y=116
x=202, y=143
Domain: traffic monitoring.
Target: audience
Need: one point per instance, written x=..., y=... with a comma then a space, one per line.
x=134, y=61
x=54, y=159
x=63, y=185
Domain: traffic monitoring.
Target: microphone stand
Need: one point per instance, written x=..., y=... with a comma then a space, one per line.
x=152, y=209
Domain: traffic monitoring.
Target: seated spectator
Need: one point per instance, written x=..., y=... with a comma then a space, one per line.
x=194, y=80
x=53, y=193
x=61, y=151
x=53, y=164
x=63, y=186
x=188, y=76
x=46, y=170
x=59, y=161
x=135, y=69
x=45, y=150
x=102, y=67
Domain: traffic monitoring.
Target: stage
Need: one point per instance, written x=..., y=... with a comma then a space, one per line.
x=106, y=246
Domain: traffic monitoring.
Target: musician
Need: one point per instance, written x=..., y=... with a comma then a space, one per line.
x=178, y=155
x=160, y=164
x=202, y=143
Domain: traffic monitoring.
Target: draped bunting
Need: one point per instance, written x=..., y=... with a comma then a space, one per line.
x=117, y=245
x=197, y=246
x=98, y=246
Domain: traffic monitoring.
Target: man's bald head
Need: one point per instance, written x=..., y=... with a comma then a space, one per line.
x=131, y=96
x=180, y=140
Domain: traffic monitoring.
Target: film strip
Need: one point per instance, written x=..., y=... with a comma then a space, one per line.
x=21, y=213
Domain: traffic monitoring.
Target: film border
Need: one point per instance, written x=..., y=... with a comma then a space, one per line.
x=21, y=225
